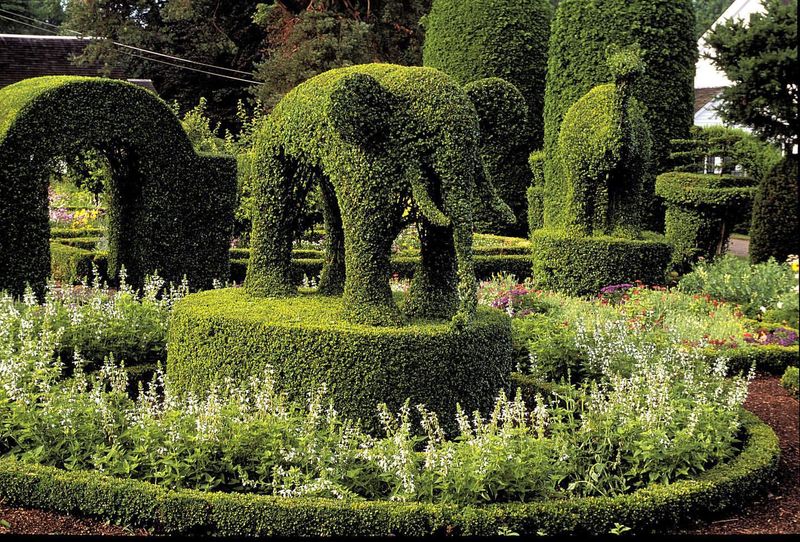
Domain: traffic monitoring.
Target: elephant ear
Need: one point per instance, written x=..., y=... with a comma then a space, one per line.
x=360, y=109
x=502, y=112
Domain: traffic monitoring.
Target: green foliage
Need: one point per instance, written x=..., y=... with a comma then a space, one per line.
x=702, y=210
x=535, y=193
x=791, y=380
x=581, y=33
x=428, y=157
x=226, y=334
x=775, y=229
x=199, y=30
x=707, y=12
x=504, y=145
x=170, y=209
x=570, y=263
x=765, y=287
x=71, y=264
x=739, y=152
x=493, y=38
x=49, y=11
x=760, y=57
x=133, y=502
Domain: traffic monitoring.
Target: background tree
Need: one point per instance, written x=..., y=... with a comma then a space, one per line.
x=50, y=11
x=210, y=31
x=759, y=56
x=707, y=12
x=308, y=37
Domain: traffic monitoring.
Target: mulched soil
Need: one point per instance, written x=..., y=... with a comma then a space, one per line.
x=777, y=513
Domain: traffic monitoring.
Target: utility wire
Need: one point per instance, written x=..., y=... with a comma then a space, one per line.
x=80, y=36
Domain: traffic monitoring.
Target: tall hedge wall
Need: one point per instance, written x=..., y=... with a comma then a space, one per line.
x=581, y=32
x=171, y=209
x=476, y=39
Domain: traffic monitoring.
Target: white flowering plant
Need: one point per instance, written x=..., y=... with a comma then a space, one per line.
x=662, y=416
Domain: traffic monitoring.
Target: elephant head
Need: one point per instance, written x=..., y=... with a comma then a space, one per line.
x=380, y=137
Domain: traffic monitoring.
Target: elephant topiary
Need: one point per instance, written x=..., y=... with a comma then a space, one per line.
x=382, y=143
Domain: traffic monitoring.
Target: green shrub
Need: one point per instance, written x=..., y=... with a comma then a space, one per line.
x=570, y=263
x=69, y=264
x=170, y=209
x=791, y=380
x=758, y=288
x=493, y=38
x=580, y=35
x=224, y=333
x=71, y=233
x=132, y=502
x=504, y=147
x=775, y=230
x=535, y=193
x=734, y=147
x=702, y=210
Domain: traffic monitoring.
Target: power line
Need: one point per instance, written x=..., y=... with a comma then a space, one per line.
x=79, y=35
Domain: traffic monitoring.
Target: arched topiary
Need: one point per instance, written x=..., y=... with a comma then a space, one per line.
x=775, y=231
x=580, y=34
x=476, y=39
x=171, y=210
x=504, y=144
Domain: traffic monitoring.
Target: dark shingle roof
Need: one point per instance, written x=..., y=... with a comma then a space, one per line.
x=704, y=95
x=24, y=56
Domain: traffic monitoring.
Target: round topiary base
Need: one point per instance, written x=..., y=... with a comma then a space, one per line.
x=584, y=265
x=226, y=333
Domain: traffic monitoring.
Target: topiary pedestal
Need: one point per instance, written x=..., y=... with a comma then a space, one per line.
x=225, y=333
x=701, y=212
x=578, y=265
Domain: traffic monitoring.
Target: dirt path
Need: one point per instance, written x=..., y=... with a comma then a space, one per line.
x=778, y=513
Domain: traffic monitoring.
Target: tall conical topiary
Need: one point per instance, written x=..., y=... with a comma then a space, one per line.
x=775, y=231
x=581, y=32
x=476, y=39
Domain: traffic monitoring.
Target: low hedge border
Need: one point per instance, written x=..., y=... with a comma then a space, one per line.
x=86, y=243
x=404, y=267
x=132, y=502
x=576, y=265
x=70, y=233
x=768, y=358
x=69, y=264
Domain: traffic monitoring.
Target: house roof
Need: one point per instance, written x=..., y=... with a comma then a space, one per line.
x=23, y=56
x=703, y=96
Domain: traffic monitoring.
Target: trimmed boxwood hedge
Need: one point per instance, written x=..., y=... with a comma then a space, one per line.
x=569, y=263
x=493, y=38
x=517, y=264
x=69, y=264
x=775, y=230
x=72, y=233
x=230, y=333
x=702, y=210
x=768, y=358
x=171, y=209
x=129, y=502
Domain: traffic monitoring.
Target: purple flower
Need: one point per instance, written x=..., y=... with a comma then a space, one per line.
x=615, y=287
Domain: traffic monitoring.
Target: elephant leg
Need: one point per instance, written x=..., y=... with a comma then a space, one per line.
x=368, y=221
x=433, y=291
x=281, y=194
x=332, y=279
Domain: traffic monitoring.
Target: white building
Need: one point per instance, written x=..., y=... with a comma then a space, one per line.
x=708, y=80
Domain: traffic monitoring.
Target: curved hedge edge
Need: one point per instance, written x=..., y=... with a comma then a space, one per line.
x=133, y=502
x=768, y=358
